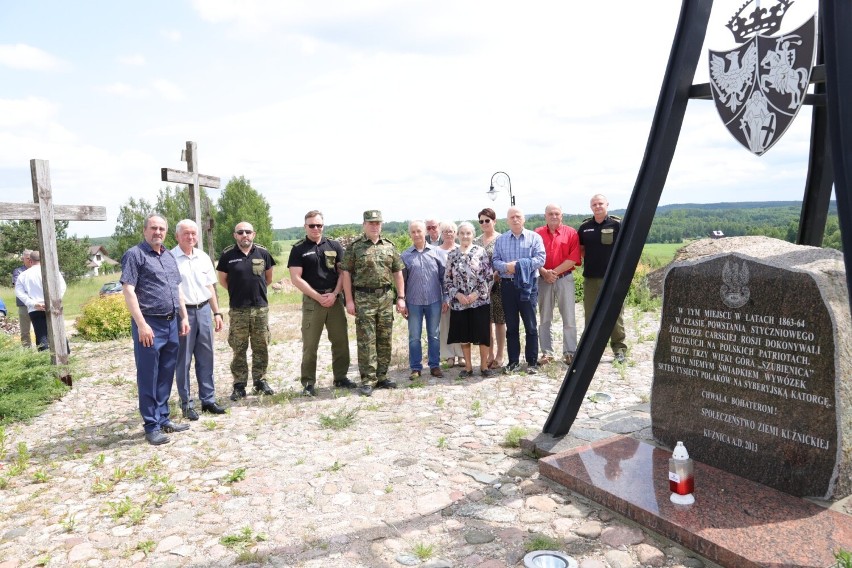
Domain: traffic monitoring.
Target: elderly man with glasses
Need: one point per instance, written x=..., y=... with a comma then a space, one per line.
x=245, y=270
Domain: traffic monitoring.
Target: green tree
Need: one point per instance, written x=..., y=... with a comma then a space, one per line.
x=240, y=202
x=128, y=226
x=15, y=236
x=172, y=203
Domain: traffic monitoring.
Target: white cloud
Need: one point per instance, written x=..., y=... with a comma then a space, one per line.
x=168, y=90
x=124, y=90
x=132, y=60
x=172, y=35
x=22, y=56
x=15, y=113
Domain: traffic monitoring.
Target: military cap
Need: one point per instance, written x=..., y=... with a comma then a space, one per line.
x=373, y=215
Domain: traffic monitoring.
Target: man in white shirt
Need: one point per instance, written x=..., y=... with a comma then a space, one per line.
x=197, y=282
x=29, y=290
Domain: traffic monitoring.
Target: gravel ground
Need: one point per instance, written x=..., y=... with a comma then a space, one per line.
x=422, y=475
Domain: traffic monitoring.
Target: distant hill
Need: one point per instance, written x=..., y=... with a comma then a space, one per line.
x=672, y=223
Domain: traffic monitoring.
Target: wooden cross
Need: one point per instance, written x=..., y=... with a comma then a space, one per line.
x=45, y=214
x=194, y=180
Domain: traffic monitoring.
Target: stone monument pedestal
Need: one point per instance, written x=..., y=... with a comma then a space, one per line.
x=734, y=521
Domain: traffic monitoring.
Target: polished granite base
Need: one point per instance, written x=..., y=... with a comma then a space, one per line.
x=734, y=522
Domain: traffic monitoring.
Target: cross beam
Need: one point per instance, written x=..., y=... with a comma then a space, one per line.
x=45, y=214
x=194, y=182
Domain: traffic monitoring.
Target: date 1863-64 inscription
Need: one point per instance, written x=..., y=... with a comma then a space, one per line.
x=746, y=376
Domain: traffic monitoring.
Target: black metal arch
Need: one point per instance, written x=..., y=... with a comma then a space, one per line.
x=830, y=161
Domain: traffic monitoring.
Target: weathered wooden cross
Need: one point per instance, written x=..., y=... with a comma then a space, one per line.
x=45, y=214
x=195, y=181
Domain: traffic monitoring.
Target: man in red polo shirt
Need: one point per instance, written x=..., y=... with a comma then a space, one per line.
x=556, y=284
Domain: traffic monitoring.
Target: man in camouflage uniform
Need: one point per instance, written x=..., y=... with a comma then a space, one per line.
x=372, y=269
x=245, y=270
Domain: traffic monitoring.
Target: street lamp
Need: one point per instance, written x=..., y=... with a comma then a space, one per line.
x=502, y=181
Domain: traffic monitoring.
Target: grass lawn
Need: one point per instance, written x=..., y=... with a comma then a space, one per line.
x=660, y=254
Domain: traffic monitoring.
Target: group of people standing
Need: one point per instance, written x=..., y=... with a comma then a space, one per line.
x=174, y=308
x=29, y=299
x=461, y=289
x=477, y=290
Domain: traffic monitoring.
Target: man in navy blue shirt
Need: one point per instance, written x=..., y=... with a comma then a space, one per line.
x=151, y=285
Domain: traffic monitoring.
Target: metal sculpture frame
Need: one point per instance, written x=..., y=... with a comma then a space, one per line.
x=830, y=163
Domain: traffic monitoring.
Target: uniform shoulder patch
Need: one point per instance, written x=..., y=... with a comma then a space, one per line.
x=587, y=219
x=260, y=246
x=228, y=248
x=616, y=217
x=299, y=242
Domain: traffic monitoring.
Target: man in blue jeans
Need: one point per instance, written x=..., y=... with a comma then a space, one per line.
x=518, y=254
x=151, y=285
x=424, y=299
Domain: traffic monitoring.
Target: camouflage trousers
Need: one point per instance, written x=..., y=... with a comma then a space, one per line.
x=249, y=325
x=373, y=329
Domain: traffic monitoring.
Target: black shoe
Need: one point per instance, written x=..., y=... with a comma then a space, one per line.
x=212, y=408
x=156, y=438
x=309, y=390
x=365, y=390
x=239, y=391
x=262, y=387
x=345, y=383
x=386, y=384
x=168, y=427
x=511, y=368
x=189, y=413
x=618, y=359
x=532, y=369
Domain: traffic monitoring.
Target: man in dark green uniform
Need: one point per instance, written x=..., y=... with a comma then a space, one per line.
x=313, y=265
x=372, y=269
x=597, y=239
x=245, y=271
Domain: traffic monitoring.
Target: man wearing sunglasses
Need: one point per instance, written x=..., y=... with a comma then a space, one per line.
x=245, y=270
x=433, y=232
x=314, y=264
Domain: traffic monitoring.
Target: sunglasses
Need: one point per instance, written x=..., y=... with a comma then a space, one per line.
x=431, y=227
x=314, y=225
x=484, y=221
x=244, y=232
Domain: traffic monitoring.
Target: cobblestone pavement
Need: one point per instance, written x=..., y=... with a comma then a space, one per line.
x=414, y=476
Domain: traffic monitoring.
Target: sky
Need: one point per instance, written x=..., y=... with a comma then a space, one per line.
x=407, y=106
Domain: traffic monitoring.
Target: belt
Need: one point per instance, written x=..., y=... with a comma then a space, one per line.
x=329, y=291
x=564, y=274
x=168, y=317
x=197, y=306
x=371, y=290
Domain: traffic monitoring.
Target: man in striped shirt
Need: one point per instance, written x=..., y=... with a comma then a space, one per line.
x=518, y=254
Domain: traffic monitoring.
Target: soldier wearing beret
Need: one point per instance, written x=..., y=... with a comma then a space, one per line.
x=371, y=278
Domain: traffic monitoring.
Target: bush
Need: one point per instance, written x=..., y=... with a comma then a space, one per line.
x=28, y=381
x=104, y=318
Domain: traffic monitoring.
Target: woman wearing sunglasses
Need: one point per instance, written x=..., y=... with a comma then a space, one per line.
x=487, y=219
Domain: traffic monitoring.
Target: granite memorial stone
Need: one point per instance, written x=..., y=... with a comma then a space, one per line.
x=752, y=363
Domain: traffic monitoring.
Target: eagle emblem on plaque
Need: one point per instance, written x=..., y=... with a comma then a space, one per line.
x=758, y=87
